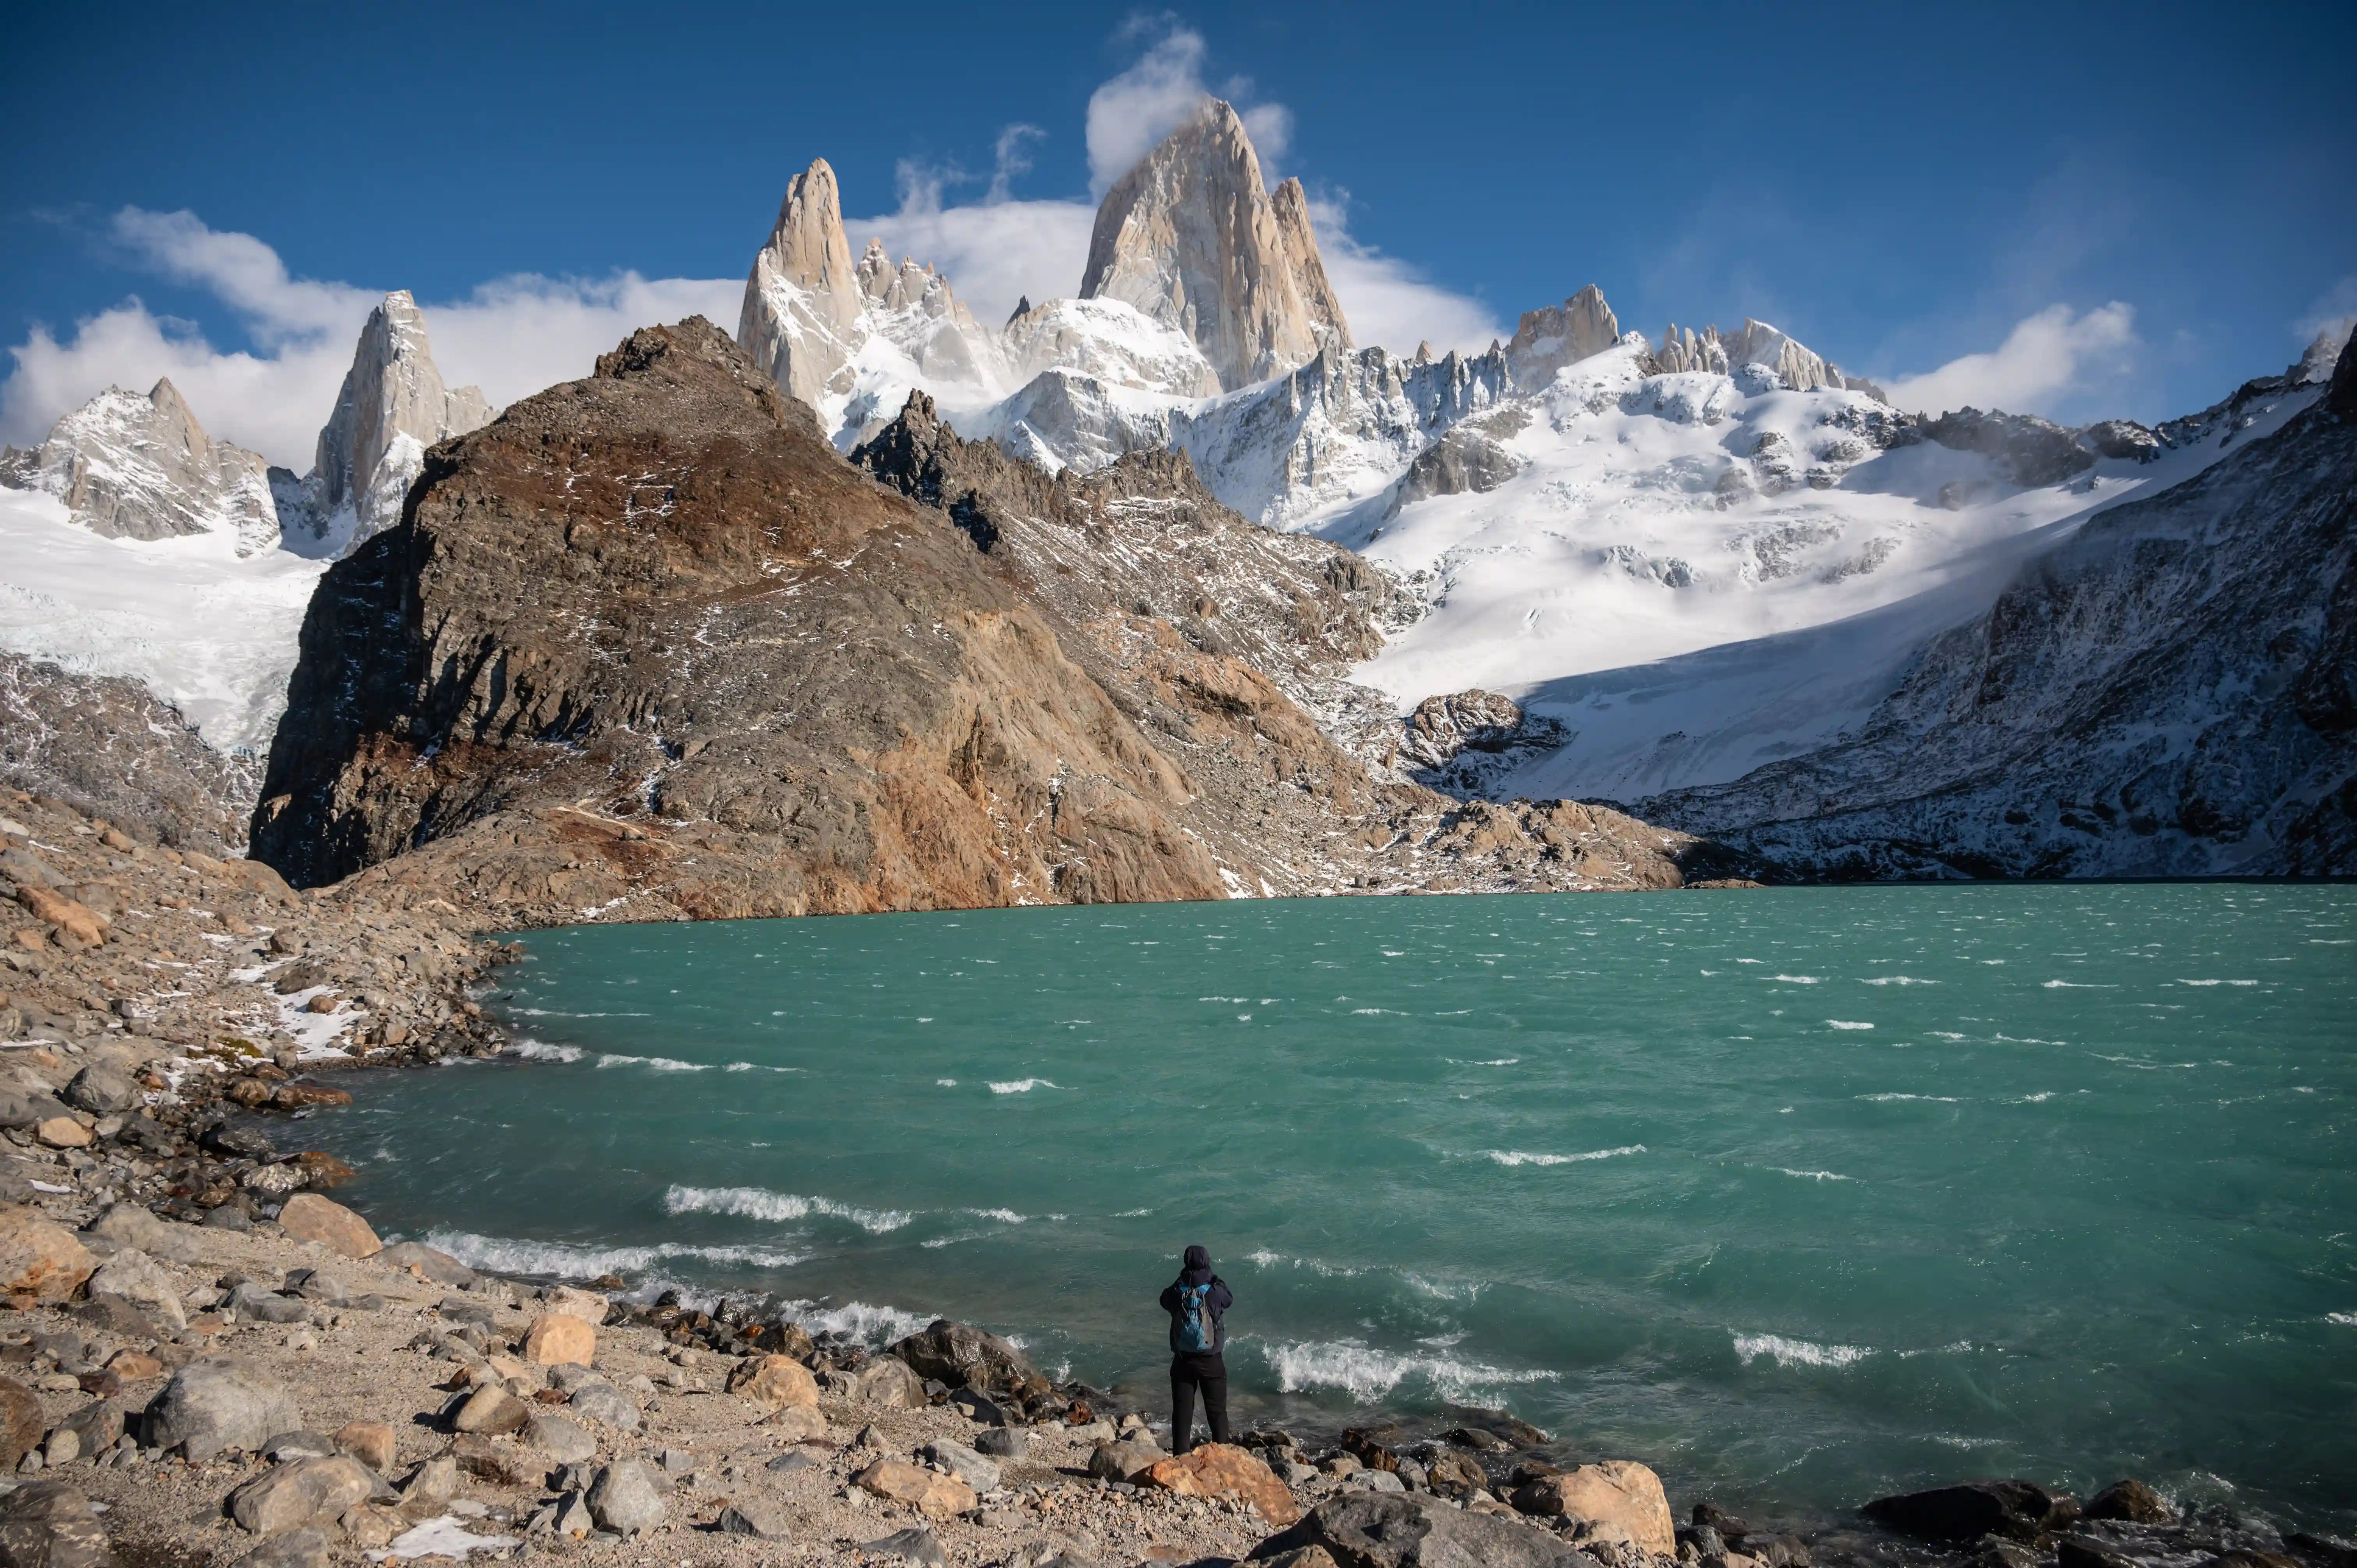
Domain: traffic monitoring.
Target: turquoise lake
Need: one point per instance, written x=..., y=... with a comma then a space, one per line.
x=1802, y=1195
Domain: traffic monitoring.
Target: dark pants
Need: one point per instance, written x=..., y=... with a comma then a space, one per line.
x=1189, y=1373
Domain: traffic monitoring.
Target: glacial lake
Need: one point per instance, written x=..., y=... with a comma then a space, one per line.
x=1802, y=1195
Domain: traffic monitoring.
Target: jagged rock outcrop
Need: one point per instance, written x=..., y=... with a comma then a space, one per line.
x=1795, y=367
x=810, y=311
x=105, y=746
x=654, y=608
x=1554, y=335
x=2028, y=450
x=2170, y=693
x=393, y=405
x=1461, y=742
x=1470, y=458
x=1192, y=239
x=129, y=467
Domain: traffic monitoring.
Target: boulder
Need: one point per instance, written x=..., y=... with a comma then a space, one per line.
x=304, y=1548
x=1363, y=1530
x=2016, y=1509
x=1001, y=1442
x=48, y=1524
x=64, y=1133
x=887, y=1381
x=1125, y=1460
x=72, y=918
x=1618, y=1499
x=426, y=1263
x=40, y=1261
x=430, y=1487
x=775, y=1382
x=963, y=1356
x=967, y=1466
x=96, y=1427
x=129, y=1224
x=251, y=1300
x=219, y=1403
x=918, y=1545
x=798, y=1424
x=755, y=1517
x=102, y=1090
x=1456, y=1475
x=21, y=1107
x=2131, y=1501
x=607, y=1405
x=627, y=1498
x=308, y=1217
x=370, y=1442
x=931, y=1493
x=1221, y=1470
x=21, y=1423
x=560, y=1340
x=564, y=1442
x=141, y=1281
x=492, y=1411
x=307, y=1492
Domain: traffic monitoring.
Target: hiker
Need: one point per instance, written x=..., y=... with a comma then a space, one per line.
x=1197, y=1302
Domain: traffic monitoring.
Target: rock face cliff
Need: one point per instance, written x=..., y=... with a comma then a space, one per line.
x=128, y=467
x=2173, y=692
x=648, y=647
x=1191, y=238
x=392, y=406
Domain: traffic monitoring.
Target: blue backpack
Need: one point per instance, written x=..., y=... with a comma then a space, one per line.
x=1197, y=1333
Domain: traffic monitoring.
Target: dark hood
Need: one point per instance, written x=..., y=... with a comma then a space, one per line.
x=1195, y=1268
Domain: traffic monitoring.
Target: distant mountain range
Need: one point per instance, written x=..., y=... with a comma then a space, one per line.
x=1708, y=577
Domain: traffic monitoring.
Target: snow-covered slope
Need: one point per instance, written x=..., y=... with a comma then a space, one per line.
x=128, y=467
x=207, y=631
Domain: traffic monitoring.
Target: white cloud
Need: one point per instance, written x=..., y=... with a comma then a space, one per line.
x=2046, y=356
x=512, y=337
x=1137, y=109
x=2335, y=311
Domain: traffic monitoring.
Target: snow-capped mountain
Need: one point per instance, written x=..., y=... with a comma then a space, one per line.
x=392, y=407
x=132, y=544
x=128, y=467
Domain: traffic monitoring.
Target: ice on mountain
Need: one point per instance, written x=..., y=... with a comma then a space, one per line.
x=128, y=467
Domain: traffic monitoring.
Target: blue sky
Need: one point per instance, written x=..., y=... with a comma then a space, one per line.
x=2161, y=193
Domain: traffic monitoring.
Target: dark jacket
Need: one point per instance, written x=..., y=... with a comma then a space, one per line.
x=1198, y=1270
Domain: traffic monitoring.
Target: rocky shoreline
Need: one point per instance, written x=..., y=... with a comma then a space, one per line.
x=209, y=1362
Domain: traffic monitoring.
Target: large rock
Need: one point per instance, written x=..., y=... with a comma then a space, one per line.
x=308, y=1217
x=1223, y=1470
x=564, y=1442
x=138, y=1279
x=308, y=1492
x=22, y=1107
x=1618, y=1499
x=131, y=1225
x=627, y=1498
x=40, y=1261
x=607, y=1405
x=304, y=1548
x=72, y=918
x=102, y=1090
x=1125, y=1460
x=887, y=1381
x=492, y=1411
x=774, y=1382
x=2016, y=1509
x=217, y=1404
x=755, y=1517
x=48, y=1524
x=21, y=1423
x=1192, y=239
x=2132, y=1501
x=560, y=1340
x=588, y=1305
x=1366, y=1530
x=967, y=1466
x=963, y=1356
x=930, y=1492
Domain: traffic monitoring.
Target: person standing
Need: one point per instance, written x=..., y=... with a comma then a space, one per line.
x=1197, y=1302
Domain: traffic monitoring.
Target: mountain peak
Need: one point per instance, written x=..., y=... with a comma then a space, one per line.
x=129, y=467
x=1548, y=339
x=1193, y=238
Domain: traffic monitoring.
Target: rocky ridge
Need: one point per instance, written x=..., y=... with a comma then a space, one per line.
x=2166, y=693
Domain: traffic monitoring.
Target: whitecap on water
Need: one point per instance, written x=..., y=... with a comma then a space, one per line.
x=653, y=1064
x=1494, y=1061
x=1812, y=1175
x=2347, y=1319
x=1750, y=1348
x=1798, y=979
x=2075, y=985
x=2206, y=983
x=1022, y=1086
x=540, y=1051
x=1846, y=1024
x=867, y=1324
x=1517, y=1158
x=586, y=1260
x=1367, y=1373
x=1934, y=1098
x=1898, y=980
x=759, y=1203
